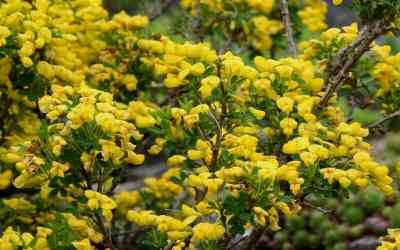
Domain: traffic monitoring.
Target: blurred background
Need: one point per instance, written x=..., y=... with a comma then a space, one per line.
x=338, y=16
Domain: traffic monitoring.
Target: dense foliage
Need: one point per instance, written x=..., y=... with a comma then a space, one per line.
x=248, y=138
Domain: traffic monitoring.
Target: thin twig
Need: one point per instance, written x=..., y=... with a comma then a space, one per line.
x=383, y=120
x=216, y=146
x=338, y=70
x=107, y=235
x=234, y=244
x=288, y=28
x=312, y=206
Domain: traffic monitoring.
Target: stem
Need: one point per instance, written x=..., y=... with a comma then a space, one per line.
x=349, y=56
x=217, y=145
x=288, y=28
x=384, y=119
x=100, y=222
x=251, y=241
x=312, y=206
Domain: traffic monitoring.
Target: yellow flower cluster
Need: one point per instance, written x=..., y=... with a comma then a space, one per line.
x=127, y=199
x=329, y=40
x=176, y=229
x=164, y=187
x=386, y=71
x=100, y=201
x=12, y=239
x=6, y=178
x=207, y=231
x=264, y=30
x=83, y=228
x=313, y=15
x=337, y=2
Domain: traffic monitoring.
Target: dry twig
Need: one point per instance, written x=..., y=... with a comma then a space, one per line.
x=383, y=120
x=338, y=70
x=288, y=27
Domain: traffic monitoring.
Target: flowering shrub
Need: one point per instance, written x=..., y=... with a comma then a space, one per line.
x=87, y=97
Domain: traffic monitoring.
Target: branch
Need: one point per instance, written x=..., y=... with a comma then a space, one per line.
x=233, y=245
x=344, y=61
x=288, y=27
x=106, y=233
x=217, y=145
x=383, y=120
x=312, y=206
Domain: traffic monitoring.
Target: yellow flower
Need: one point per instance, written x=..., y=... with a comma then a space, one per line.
x=45, y=69
x=83, y=245
x=208, y=85
x=285, y=104
x=197, y=69
x=284, y=71
x=27, y=62
x=172, y=81
x=190, y=120
x=110, y=150
x=97, y=200
x=262, y=64
x=344, y=182
x=135, y=159
x=195, y=155
x=261, y=215
x=177, y=235
x=142, y=218
x=175, y=160
x=5, y=179
x=348, y=141
x=125, y=199
x=27, y=49
x=207, y=231
x=189, y=211
x=130, y=82
x=258, y=114
x=337, y=2
x=288, y=125
x=308, y=158
x=145, y=121
x=296, y=145
x=43, y=232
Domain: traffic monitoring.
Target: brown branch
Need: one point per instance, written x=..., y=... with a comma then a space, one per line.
x=106, y=233
x=234, y=244
x=217, y=145
x=288, y=28
x=346, y=58
x=312, y=206
x=383, y=120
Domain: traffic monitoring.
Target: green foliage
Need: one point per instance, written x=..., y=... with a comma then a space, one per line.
x=237, y=211
x=153, y=240
x=62, y=236
x=376, y=9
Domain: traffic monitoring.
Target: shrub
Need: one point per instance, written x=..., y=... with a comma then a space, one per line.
x=88, y=97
